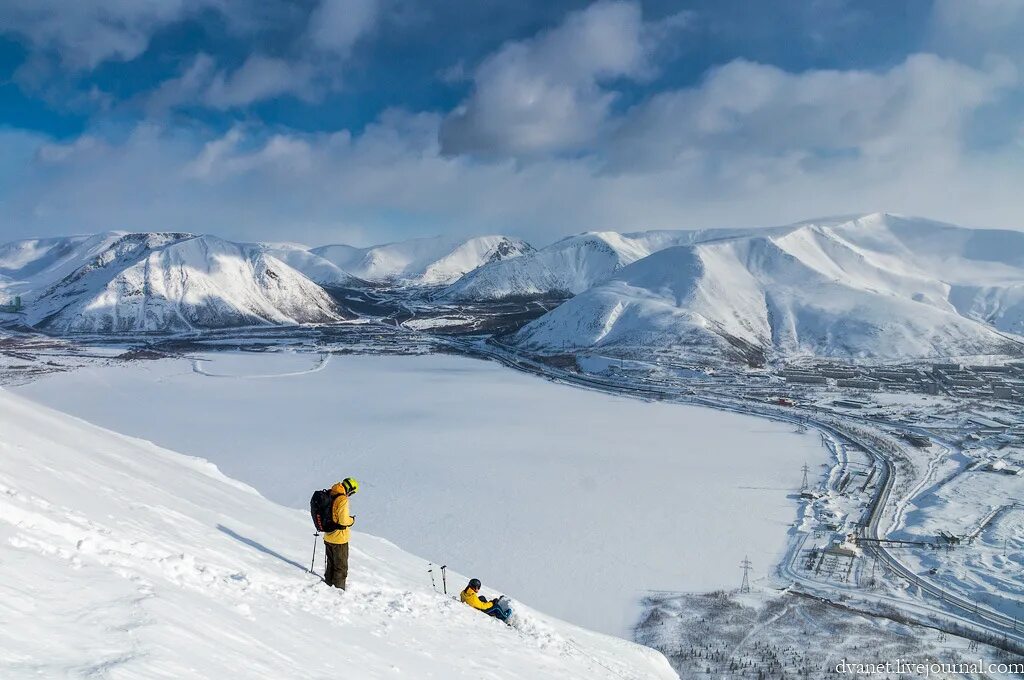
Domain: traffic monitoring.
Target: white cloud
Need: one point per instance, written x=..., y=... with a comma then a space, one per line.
x=745, y=110
x=976, y=30
x=259, y=78
x=226, y=157
x=85, y=33
x=748, y=144
x=315, y=67
x=312, y=43
x=393, y=182
x=336, y=25
x=188, y=88
x=545, y=94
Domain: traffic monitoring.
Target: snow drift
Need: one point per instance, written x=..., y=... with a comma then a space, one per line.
x=426, y=261
x=121, y=559
x=879, y=287
x=171, y=282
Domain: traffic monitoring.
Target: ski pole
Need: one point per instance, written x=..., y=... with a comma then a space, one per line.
x=316, y=535
x=444, y=578
x=433, y=583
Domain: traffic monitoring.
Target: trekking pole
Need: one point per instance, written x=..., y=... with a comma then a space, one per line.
x=433, y=583
x=444, y=578
x=316, y=535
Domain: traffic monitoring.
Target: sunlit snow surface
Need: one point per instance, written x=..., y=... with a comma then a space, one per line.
x=122, y=560
x=572, y=501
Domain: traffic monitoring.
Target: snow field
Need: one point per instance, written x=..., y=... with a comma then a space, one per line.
x=572, y=501
x=119, y=559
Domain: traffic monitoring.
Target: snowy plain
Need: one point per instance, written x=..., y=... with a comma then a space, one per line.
x=575, y=502
x=119, y=559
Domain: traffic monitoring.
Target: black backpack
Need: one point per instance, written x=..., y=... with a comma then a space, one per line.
x=320, y=508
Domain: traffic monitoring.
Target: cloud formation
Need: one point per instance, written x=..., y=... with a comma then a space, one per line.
x=571, y=127
x=743, y=109
x=545, y=94
x=86, y=33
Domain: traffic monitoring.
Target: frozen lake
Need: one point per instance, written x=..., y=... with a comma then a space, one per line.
x=573, y=501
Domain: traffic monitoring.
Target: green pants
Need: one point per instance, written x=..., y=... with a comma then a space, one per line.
x=337, y=564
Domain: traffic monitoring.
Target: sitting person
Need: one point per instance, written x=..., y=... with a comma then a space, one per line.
x=497, y=607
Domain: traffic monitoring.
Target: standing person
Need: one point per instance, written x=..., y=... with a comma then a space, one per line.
x=336, y=542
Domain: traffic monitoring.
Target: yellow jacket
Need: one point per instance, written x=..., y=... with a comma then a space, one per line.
x=339, y=513
x=472, y=598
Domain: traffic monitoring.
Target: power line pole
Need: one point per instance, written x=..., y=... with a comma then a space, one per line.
x=746, y=566
x=804, y=484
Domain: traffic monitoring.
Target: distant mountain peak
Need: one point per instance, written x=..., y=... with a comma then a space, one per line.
x=140, y=282
x=422, y=261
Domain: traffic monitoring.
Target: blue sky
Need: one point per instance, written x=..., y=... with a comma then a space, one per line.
x=371, y=120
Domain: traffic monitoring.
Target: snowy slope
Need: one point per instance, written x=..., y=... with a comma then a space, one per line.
x=29, y=265
x=160, y=282
x=425, y=261
x=881, y=286
x=121, y=559
x=314, y=267
x=569, y=266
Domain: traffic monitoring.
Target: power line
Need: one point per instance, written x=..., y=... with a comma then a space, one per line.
x=804, y=484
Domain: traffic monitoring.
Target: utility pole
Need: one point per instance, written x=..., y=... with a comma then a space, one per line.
x=804, y=484
x=745, y=566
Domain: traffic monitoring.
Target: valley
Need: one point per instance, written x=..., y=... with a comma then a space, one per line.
x=682, y=435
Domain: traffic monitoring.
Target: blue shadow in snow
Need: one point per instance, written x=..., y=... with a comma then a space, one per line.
x=262, y=548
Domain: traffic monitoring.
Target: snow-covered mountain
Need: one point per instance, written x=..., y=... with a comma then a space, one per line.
x=568, y=266
x=424, y=261
x=167, y=281
x=29, y=265
x=880, y=286
x=314, y=267
x=122, y=559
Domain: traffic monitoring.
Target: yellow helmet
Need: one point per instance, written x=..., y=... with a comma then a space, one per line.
x=350, y=484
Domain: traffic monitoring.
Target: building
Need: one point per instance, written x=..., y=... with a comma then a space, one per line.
x=992, y=369
x=853, y=403
x=1002, y=391
x=937, y=368
x=858, y=383
x=898, y=375
x=807, y=379
x=917, y=440
x=12, y=307
x=985, y=424
x=837, y=373
x=966, y=382
x=1002, y=467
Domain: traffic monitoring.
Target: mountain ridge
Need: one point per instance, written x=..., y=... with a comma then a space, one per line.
x=878, y=286
x=864, y=289
x=144, y=282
